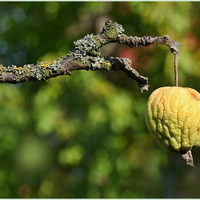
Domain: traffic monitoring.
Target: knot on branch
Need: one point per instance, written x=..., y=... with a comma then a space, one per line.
x=112, y=30
x=173, y=45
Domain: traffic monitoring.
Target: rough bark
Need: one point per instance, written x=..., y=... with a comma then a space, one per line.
x=86, y=56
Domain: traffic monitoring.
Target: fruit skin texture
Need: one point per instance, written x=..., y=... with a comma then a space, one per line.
x=173, y=117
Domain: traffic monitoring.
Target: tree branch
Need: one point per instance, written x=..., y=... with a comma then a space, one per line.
x=86, y=56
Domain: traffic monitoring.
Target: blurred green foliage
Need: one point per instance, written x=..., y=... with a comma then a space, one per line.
x=85, y=135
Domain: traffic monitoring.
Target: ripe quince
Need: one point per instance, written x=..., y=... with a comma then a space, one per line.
x=173, y=117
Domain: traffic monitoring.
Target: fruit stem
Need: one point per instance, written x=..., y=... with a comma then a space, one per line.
x=176, y=68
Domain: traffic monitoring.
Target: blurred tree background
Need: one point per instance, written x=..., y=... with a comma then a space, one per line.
x=85, y=135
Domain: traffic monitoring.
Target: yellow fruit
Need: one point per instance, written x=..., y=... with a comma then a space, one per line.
x=173, y=117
